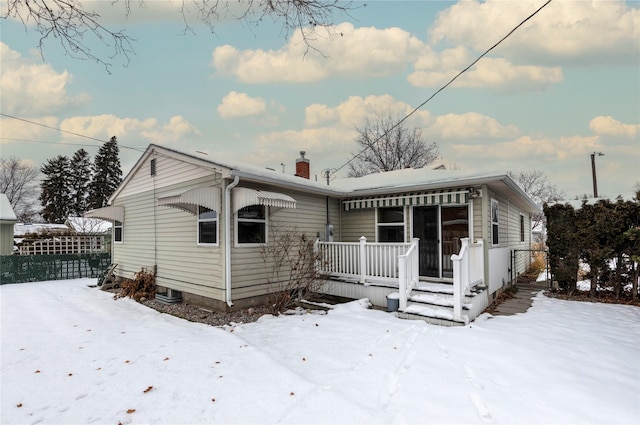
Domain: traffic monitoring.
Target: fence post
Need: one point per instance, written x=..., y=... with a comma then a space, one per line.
x=363, y=260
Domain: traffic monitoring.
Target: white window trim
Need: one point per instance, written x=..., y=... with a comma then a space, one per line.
x=237, y=244
x=522, y=230
x=397, y=223
x=497, y=222
x=198, y=221
x=121, y=226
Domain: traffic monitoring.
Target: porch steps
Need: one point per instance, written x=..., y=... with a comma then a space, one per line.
x=433, y=303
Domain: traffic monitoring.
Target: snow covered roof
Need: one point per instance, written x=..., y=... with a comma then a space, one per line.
x=85, y=225
x=409, y=179
x=21, y=229
x=6, y=211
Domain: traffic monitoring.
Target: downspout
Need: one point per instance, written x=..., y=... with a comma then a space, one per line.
x=227, y=239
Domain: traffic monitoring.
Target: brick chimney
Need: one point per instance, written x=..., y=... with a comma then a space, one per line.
x=302, y=166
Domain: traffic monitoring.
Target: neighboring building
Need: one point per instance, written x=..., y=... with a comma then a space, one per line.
x=7, y=221
x=200, y=225
x=88, y=226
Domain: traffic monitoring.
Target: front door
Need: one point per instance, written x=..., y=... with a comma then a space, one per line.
x=440, y=229
x=425, y=227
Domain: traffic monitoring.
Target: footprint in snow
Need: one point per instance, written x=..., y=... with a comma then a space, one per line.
x=472, y=377
x=480, y=407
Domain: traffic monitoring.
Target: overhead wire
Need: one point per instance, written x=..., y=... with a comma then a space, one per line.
x=443, y=87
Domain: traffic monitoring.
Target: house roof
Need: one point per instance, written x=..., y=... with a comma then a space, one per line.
x=88, y=225
x=410, y=179
x=6, y=211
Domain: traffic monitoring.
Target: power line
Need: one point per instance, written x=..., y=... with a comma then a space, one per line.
x=62, y=131
x=444, y=87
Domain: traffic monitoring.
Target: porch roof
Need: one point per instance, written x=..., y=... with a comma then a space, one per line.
x=453, y=196
x=189, y=201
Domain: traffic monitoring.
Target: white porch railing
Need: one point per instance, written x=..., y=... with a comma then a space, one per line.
x=409, y=273
x=468, y=271
x=362, y=260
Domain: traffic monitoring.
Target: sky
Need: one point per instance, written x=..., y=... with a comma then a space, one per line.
x=72, y=354
x=563, y=86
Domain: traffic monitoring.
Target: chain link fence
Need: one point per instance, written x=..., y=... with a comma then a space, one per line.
x=38, y=268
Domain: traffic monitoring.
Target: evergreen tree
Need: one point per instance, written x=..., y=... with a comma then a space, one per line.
x=107, y=174
x=80, y=177
x=563, y=243
x=56, y=194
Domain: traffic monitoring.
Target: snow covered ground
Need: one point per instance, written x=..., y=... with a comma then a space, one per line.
x=73, y=355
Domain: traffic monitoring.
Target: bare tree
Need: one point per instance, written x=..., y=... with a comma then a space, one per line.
x=18, y=182
x=386, y=145
x=537, y=185
x=290, y=261
x=80, y=30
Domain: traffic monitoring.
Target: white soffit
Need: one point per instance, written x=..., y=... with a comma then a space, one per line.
x=112, y=213
x=243, y=197
x=189, y=201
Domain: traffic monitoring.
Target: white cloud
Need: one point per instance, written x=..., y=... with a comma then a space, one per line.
x=15, y=129
x=354, y=112
x=564, y=32
x=528, y=148
x=470, y=126
x=351, y=52
x=235, y=105
x=130, y=130
x=30, y=89
x=437, y=69
x=608, y=126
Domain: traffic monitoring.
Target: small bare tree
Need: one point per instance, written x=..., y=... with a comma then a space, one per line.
x=385, y=145
x=537, y=185
x=290, y=260
x=18, y=182
x=80, y=31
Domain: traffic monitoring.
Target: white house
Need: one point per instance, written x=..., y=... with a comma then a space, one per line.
x=441, y=238
x=7, y=221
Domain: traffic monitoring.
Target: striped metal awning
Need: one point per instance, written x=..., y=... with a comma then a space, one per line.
x=112, y=213
x=243, y=197
x=189, y=201
x=453, y=196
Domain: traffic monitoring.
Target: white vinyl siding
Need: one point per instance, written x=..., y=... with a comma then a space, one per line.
x=358, y=223
x=167, y=237
x=248, y=272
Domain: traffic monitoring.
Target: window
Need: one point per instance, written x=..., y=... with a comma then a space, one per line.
x=391, y=224
x=251, y=225
x=494, y=222
x=207, y=226
x=117, y=231
x=521, y=227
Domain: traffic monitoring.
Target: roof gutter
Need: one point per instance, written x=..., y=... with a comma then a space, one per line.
x=227, y=239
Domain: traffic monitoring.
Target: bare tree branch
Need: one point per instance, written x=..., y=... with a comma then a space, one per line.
x=537, y=185
x=386, y=146
x=18, y=182
x=80, y=31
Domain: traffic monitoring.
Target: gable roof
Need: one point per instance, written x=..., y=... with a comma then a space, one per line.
x=6, y=211
x=406, y=180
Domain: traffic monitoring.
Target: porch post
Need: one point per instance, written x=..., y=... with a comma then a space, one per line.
x=363, y=260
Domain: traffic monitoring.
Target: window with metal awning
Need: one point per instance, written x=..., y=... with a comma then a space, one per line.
x=244, y=197
x=447, y=197
x=190, y=200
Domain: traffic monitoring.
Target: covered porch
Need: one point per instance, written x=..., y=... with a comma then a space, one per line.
x=376, y=270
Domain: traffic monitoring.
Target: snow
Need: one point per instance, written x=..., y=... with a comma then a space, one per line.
x=73, y=355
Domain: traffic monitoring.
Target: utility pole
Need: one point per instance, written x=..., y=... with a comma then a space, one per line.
x=593, y=172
